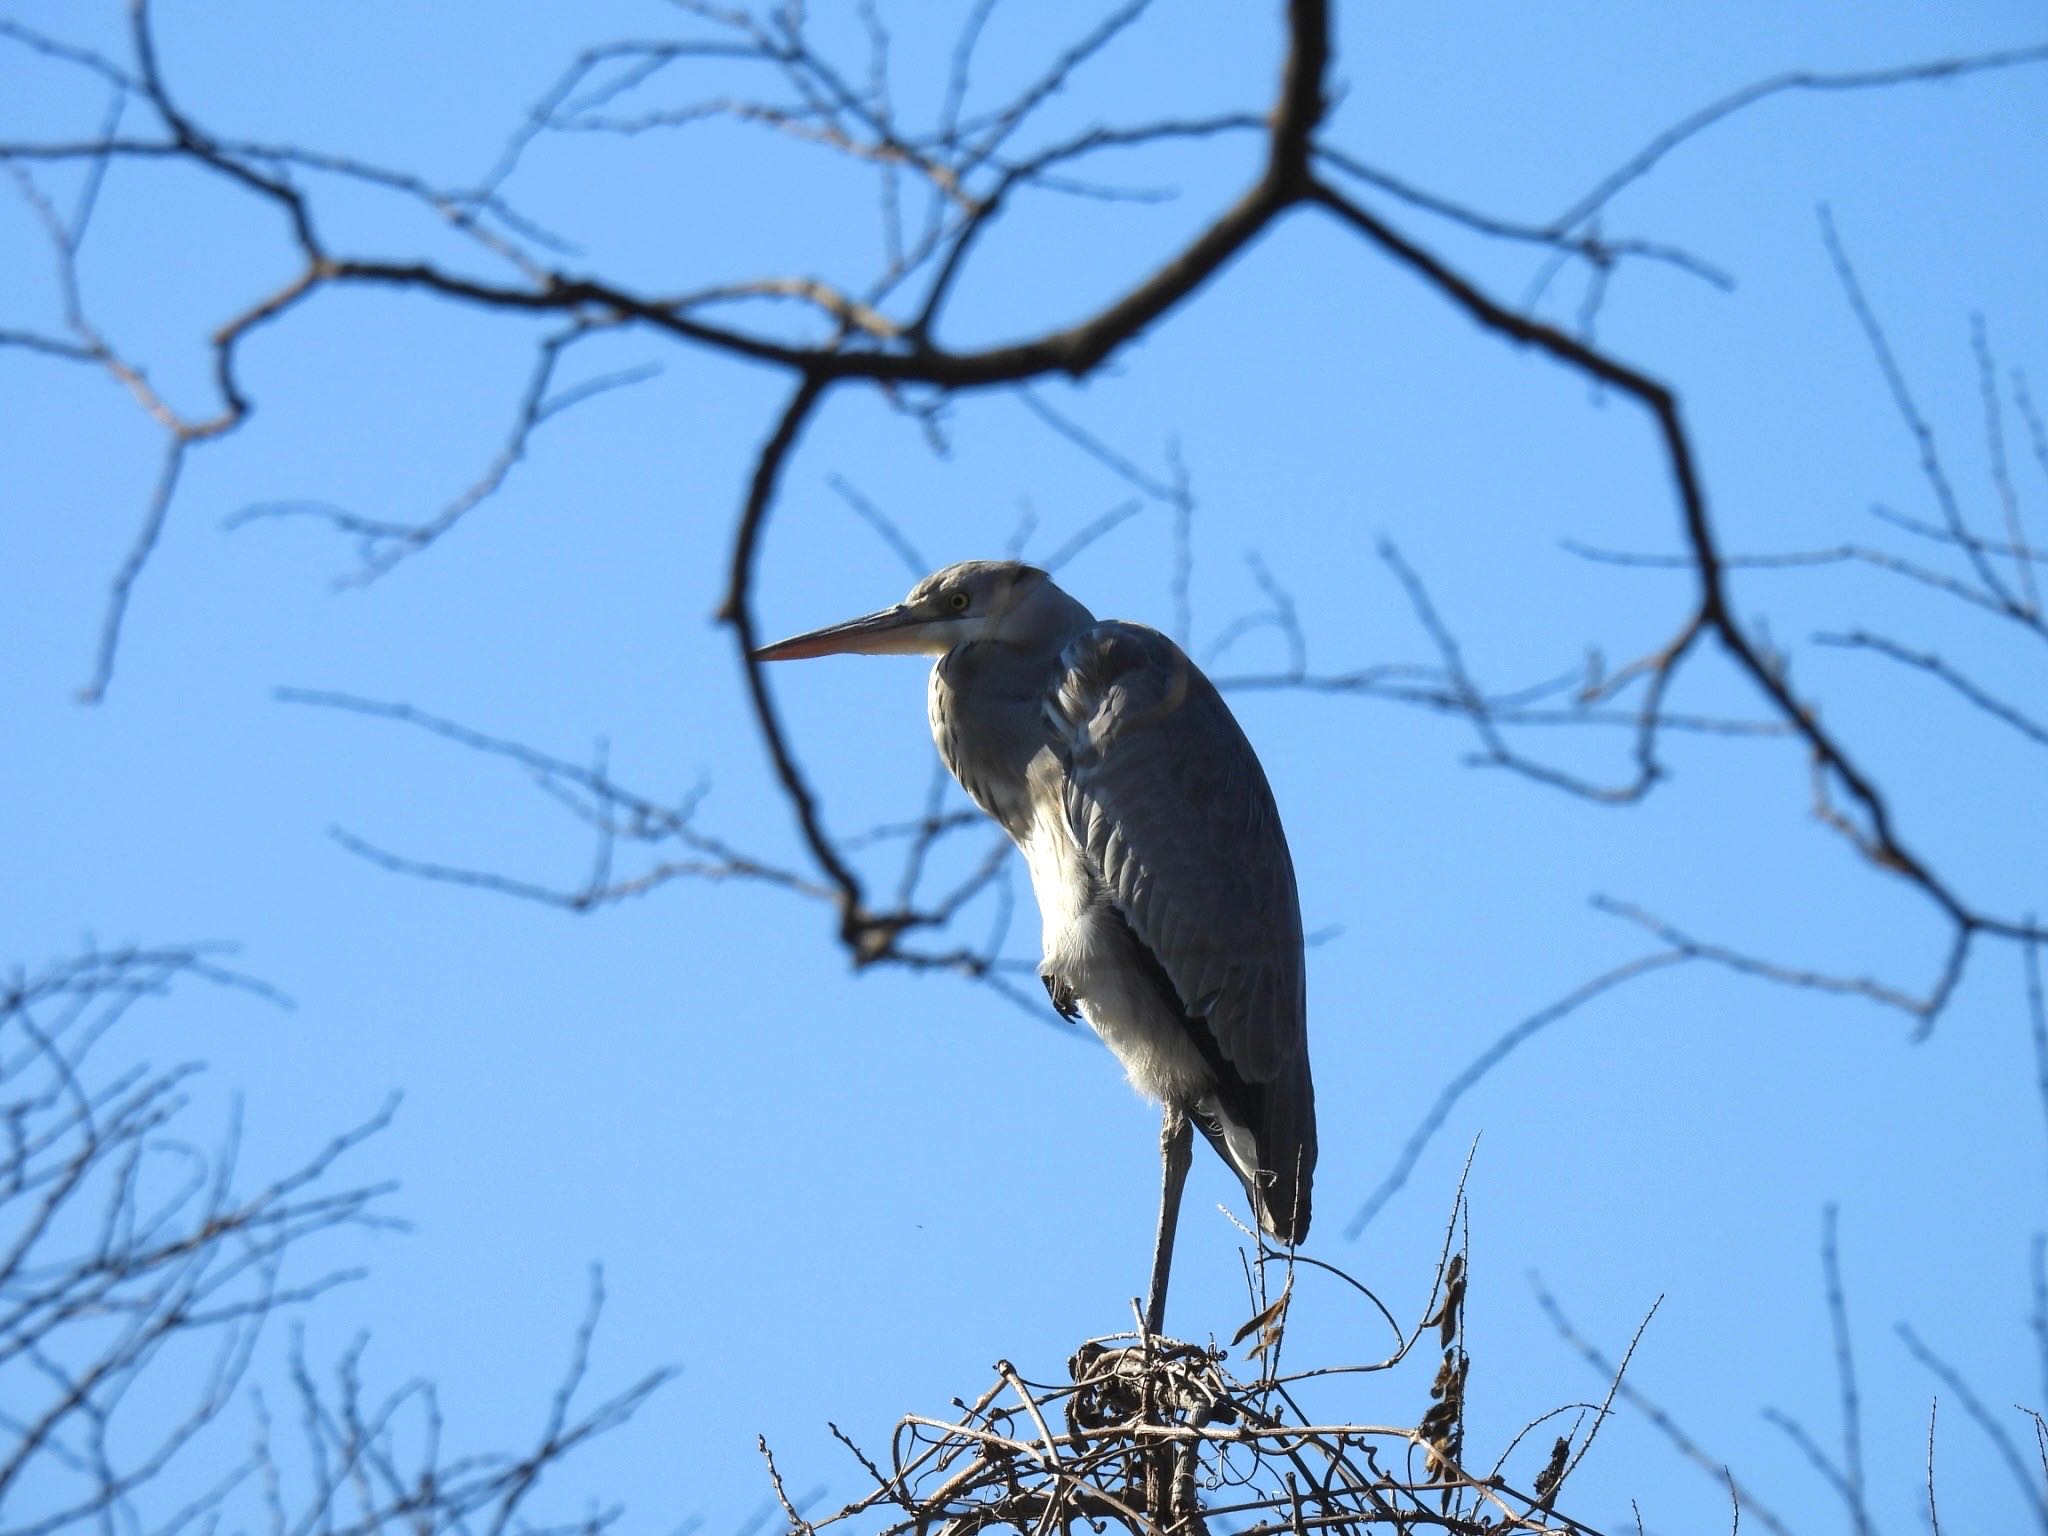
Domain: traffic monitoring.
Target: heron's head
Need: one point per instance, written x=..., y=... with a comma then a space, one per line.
x=998, y=600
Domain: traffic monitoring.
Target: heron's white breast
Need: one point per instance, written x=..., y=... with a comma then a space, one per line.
x=1088, y=945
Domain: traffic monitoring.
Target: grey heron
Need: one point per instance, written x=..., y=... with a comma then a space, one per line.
x=1163, y=879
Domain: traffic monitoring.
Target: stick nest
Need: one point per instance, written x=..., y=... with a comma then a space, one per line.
x=1157, y=1437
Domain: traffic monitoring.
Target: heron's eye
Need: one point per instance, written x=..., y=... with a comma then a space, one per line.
x=958, y=602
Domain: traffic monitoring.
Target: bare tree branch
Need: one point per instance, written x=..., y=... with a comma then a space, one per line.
x=1644, y=160
x=139, y=1277
x=2033, y=1494
x=1931, y=467
x=1845, y=1374
x=1662, y=1421
x=619, y=816
x=381, y=544
x=1933, y=665
x=1448, y=1096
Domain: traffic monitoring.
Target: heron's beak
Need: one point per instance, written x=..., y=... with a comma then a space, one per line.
x=898, y=631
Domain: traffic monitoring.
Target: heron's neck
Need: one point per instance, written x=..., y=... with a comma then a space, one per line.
x=1055, y=619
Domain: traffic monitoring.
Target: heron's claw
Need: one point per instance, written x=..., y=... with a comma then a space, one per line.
x=1061, y=994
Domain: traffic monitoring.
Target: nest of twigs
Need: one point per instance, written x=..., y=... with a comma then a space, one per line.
x=1156, y=1437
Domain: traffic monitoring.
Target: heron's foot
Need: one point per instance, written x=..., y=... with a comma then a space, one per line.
x=1064, y=1001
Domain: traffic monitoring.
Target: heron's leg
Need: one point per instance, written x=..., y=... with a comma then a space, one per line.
x=1176, y=1144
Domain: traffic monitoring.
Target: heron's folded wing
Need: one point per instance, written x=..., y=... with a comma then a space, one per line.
x=1170, y=804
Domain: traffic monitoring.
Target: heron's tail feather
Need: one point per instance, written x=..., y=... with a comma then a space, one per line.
x=1270, y=1144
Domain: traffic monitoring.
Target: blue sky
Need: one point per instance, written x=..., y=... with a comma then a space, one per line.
x=836, y=1196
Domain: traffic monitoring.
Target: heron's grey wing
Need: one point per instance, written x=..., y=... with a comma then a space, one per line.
x=1167, y=799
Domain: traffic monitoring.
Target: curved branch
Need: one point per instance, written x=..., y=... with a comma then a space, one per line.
x=737, y=611
x=1881, y=844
